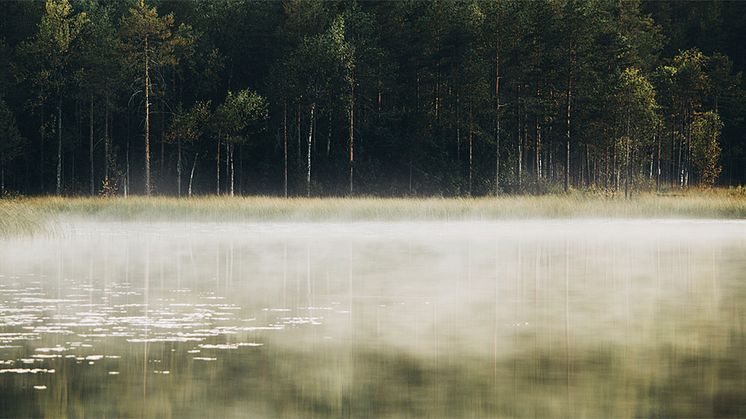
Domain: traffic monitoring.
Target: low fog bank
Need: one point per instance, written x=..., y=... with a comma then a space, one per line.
x=543, y=229
x=593, y=317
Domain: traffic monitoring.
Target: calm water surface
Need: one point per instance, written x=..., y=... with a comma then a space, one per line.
x=538, y=318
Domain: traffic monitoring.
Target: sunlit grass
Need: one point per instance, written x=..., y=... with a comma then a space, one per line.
x=21, y=217
x=33, y=214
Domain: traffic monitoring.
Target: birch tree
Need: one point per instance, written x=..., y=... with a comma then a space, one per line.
x=188, y=126
x=236, y=119
x=639, y=116
x=706, y=129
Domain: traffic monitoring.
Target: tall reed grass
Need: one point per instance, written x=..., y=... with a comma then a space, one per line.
x=23, y=215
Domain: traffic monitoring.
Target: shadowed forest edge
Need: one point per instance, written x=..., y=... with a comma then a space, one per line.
x=306, y=98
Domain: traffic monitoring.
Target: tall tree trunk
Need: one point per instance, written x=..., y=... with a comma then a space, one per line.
x=626, y=157
x=231, y=147
x=583, y=163
x=107, y=149
x=26, y=173
x=537, y=151
x=550, y=154
x=227, y=165
x=458, y=143
x=520, y=139
x=588, y=167
x=606, y=171
x=410, y=176
x=571, y=65
x=127, y=162
x=178, y=167
x=90, y=148
x=567, y=134
x=79, y=124
x=630, y=171
x=614, y=170
x=352, y=136
x=298, y=135
x=437, y=96
x=148, y=187
x=525, y=150
x=652, y=163
x=191, y=173
x=59, y=144
x=672, y=158
x=313, y=140
x=217, y=170
x=471, y=147
x=329, y=135
x=308, y=155
x=162, y=160
x=285, y=145
x=658, y=173
x=41, y=156
x=680, y=167
x=497, y=109
x=688, y=157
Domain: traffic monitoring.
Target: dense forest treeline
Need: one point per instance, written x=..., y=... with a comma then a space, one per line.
x=356, y=97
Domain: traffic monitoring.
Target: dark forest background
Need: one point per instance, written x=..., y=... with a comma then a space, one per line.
x=370, y=97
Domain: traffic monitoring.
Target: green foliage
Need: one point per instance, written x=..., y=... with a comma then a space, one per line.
x=144, y=31
x=326, y=80
x=724, y=83
x=190, y=125
x=706, y=147
x=620, y=82
x=50, y=51
x=239, y=115
x=690, y=72
x=99, y=53
x=637, y=102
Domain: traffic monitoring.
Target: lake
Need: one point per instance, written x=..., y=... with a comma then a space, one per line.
x=539, y=318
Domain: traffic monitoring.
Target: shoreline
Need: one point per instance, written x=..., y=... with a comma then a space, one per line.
x=33, y=214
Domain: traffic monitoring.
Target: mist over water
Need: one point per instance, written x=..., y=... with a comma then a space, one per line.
x=591, y=318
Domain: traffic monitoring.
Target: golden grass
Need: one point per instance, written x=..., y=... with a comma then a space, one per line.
x=20, y=217
x=31, y=214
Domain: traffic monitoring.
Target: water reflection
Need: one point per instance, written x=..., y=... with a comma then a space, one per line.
x=547, y=319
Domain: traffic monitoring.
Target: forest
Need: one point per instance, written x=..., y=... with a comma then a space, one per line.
x=380, y=98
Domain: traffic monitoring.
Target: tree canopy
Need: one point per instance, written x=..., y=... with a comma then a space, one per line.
x=308, y=97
